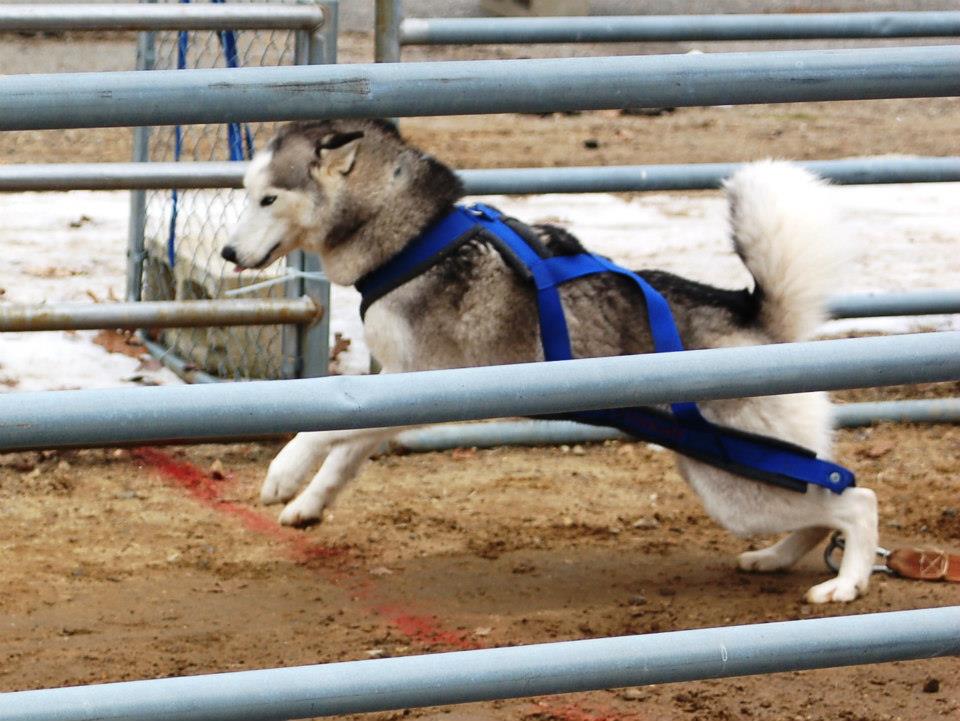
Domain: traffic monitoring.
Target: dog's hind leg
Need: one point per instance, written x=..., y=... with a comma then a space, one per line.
x=341, y=465
x=854, y=514
x=749, y=508
x=784, y=553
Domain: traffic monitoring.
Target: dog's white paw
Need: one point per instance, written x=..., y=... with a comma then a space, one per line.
x=305, y=510
x=294, y=464
x=836, y=590
x=277, y=488
x=763, y=561
x=287, y=473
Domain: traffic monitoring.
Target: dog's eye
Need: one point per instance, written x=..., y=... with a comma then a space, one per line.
x=267, y=200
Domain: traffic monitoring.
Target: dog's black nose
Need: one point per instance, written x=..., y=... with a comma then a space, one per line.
x=228, y=253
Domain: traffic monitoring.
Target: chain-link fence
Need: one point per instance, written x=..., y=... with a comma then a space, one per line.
x=185, y=230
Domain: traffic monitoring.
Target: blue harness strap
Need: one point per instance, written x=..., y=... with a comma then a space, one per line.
x=684, y=430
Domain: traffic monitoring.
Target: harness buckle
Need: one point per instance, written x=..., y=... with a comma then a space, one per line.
x=484, y=211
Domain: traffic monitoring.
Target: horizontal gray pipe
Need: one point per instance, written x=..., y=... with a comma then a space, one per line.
x=120, y=176
x=491, y=434
x=505, y=433
x=499, y=673
x=694, y=176
x=166, y=97
x=499, y=181
x=124, y=415
x=184, y=369
x=671, y=28
x=938, y=410
x=158, y=314
x=56, y=18
x=918, y=302
x=554, y=433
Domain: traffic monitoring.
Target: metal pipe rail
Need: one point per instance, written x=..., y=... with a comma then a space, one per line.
x=492, y=434
x=168, y=97
x=498, y=673
x=56, y=18
x=181, y=367
x=158, y=314
x=553, y=433
x=43, y=177
x=496, y=181
x=692, y=176
x=268, y=311
x=937, y=410
x=162, y=414
x=678, y=28
x=872, y=305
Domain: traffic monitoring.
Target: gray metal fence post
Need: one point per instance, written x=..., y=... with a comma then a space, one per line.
x=386, y=49
x=323, y=42
x=315, y=337
x=292, y=361
x=310, y=342
x=138, y=198
x=387, y=33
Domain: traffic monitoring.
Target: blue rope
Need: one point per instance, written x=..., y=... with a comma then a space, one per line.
x=239, y=137
x=183, y=41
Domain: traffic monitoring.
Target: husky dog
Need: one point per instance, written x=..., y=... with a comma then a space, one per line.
x=355, y=193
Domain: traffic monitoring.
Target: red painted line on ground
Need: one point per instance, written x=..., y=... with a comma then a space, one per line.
x=208, y=491
x=425, y=630
x=202, y=487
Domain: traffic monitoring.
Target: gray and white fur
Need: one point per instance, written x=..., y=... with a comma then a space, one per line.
x=355, y=193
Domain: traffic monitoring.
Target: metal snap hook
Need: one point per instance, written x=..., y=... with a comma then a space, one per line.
x=837, y=543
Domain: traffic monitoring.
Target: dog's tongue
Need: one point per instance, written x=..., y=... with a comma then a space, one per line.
x=238, y=269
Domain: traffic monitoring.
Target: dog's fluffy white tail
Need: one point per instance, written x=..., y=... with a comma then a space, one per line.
x=783, y=230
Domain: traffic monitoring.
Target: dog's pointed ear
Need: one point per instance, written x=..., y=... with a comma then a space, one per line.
x=337, y=152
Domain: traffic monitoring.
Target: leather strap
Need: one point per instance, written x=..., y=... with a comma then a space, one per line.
x=925, y=564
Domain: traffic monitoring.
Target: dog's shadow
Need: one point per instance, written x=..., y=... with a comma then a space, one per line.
x=616, y=590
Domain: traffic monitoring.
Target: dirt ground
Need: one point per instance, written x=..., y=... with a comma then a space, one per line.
x=126, y=564
x=136, y=564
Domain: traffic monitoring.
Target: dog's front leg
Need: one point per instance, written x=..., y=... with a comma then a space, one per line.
x=293, y=466
x=343, y=461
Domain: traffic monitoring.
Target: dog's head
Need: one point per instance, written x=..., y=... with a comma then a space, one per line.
x=331, y=187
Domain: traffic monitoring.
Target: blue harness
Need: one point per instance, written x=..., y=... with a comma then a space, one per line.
x=684, y=430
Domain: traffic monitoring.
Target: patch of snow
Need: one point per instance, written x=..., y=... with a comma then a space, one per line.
x=64, y=247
